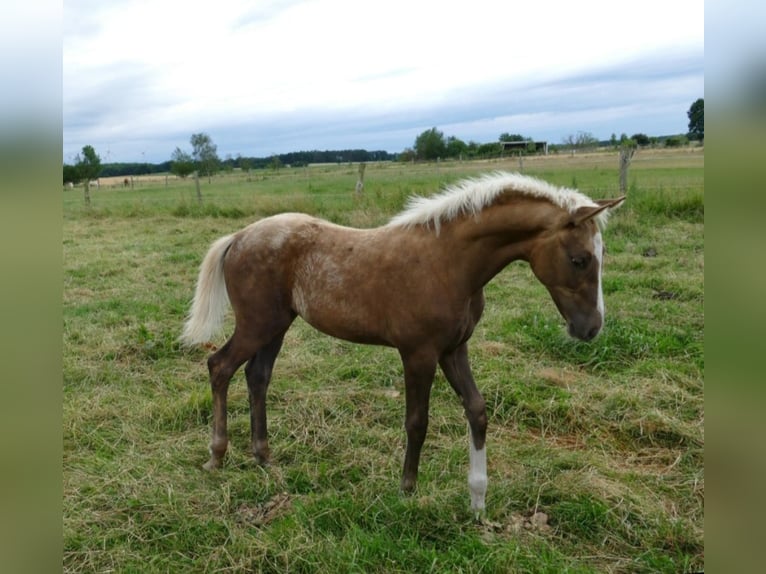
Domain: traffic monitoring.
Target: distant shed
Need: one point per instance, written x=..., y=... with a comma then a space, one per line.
x=540, y=146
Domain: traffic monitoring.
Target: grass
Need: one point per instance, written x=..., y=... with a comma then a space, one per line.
x=606, y=439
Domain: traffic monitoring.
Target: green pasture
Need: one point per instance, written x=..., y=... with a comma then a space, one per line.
x=605, y=439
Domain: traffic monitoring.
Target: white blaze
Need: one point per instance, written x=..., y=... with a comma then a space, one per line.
x=598, y=247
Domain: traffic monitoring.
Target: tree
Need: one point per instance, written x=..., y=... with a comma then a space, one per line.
x=581, y=140
x=675, y=141
x=245, y=164
x=641, y=139
x=430, y=144
x=506, y=137
x=407, y=155
x=88, y=167
x=182, y=163
x=205, y=154
x=487, y=150
x=275, y=164
x=71, y=175
x=455, y=147
x=586, y=140
x=696, y=115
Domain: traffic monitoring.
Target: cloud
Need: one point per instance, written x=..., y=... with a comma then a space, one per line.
x=140, y=77
x=30, y=63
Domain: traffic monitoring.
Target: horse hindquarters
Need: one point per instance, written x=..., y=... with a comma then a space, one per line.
x=234, y=270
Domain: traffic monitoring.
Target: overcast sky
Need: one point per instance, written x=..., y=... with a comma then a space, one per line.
x=273, y=76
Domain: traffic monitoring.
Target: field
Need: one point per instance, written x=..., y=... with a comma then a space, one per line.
x=595, y=451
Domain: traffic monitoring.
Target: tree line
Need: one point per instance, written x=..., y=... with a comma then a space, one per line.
x=432, y=143
x=429, y=145
x=204, y=159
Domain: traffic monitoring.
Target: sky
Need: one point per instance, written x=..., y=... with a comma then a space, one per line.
x=274, y=76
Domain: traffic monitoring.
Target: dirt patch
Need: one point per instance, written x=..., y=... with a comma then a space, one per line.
x=533, y=521
x=559, y=377
x=266, y=512
x=492, y=348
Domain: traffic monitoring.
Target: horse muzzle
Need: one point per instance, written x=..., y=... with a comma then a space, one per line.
x=585, y=330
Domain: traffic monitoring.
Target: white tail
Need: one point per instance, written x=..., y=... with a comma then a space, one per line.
x=210, y=298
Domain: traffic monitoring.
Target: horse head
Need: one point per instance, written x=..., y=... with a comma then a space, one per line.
x=567, y=259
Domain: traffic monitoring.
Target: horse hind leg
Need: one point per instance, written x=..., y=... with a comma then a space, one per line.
x=222, y=365
x=258, y=372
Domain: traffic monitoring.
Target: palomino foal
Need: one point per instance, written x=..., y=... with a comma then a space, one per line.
x=415, y=284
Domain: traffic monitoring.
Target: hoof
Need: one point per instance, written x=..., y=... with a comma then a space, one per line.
x=263, y=460
x=212, y=464
x=408, y=486
x=480, y=515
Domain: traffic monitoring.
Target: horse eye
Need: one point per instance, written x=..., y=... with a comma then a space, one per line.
x=580, y=262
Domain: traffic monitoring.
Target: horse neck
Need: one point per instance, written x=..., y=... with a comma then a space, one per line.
x=501, y=234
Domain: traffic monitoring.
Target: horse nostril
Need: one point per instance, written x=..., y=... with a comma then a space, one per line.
x=581, y=333
x=592, y=333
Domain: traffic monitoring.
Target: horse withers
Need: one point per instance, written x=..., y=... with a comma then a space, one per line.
x=415, y=284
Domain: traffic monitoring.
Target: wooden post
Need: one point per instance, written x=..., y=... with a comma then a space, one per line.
x=360, y=178
x=196, y=183
x=626, y=155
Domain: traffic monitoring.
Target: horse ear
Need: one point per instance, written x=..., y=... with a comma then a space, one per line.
x=610, y=203
x=585, y=213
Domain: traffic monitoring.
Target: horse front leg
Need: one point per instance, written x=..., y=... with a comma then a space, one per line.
x=419, y=373
x=258, y=372
x=457, y=369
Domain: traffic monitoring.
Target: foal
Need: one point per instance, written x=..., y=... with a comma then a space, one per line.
x=415, y=284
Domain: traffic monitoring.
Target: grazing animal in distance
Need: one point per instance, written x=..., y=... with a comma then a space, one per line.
x=415, y=284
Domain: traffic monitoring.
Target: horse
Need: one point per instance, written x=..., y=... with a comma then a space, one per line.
x=415, y=284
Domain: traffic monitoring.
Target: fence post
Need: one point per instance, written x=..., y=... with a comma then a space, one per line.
x=360, y=179
x=626, y=155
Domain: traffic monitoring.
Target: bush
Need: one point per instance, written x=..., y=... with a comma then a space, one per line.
x=675, y=141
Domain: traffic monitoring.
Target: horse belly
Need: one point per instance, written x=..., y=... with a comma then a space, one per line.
x=335, y=301
x=339, y=313
x=380, y=314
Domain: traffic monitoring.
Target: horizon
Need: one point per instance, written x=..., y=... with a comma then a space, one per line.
x=598, y=145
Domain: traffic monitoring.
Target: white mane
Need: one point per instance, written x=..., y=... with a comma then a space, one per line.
x=470, y=196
